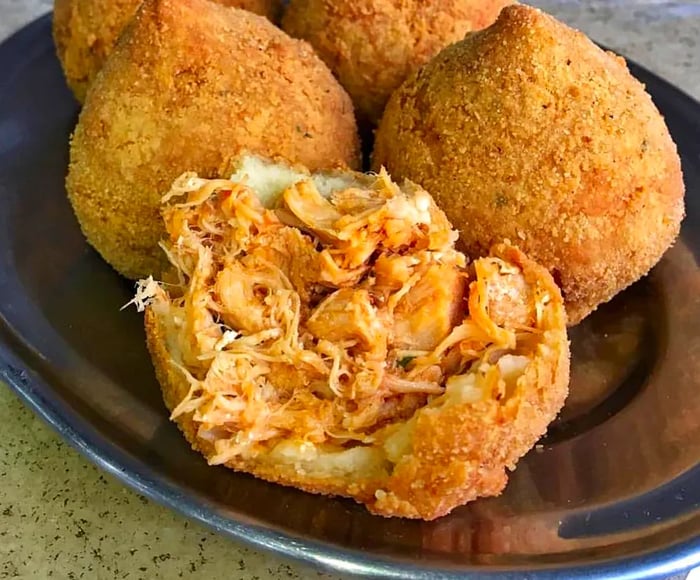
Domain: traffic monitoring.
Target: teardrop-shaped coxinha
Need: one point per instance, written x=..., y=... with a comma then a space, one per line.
x=326, y=334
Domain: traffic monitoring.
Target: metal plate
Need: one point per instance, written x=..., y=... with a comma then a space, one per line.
x=614, y=490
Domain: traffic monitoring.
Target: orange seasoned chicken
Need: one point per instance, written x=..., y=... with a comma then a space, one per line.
x=348, y=316
x=431, y=308
x=326, y=334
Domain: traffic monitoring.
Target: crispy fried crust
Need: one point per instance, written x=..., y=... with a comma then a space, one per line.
x=373, y=45
x=190, y=85
x=459, y=453
x=85, y=32
x=528, y=131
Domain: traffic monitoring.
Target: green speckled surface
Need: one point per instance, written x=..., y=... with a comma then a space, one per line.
x=60, y=517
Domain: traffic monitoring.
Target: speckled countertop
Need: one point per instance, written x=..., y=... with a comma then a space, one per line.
x=60, y=517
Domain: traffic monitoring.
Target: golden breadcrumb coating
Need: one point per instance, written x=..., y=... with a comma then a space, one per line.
x=334, y=340
x=372, y=46
x=530, y=132
x=190, y=85
x=85, y=32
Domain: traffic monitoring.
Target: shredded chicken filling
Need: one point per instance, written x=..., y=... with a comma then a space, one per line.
x=327, y=323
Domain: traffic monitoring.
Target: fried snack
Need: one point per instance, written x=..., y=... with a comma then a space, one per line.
x=85, y=32
x=528, y=131
x=372, y=46
x=189, y=86
x=327, y=335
